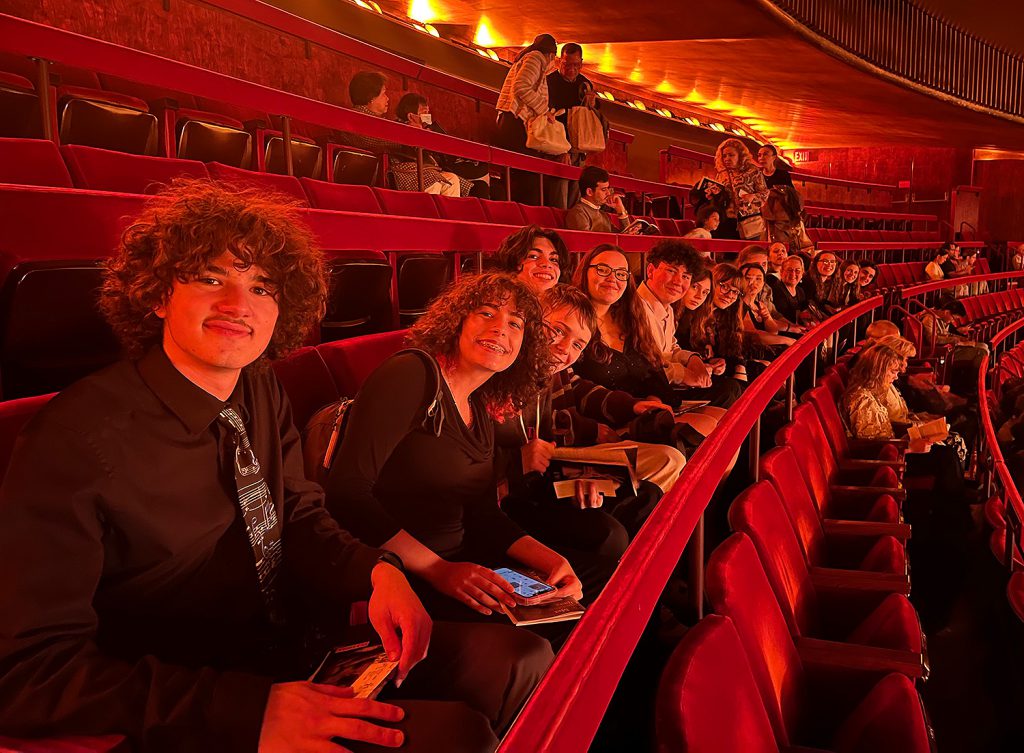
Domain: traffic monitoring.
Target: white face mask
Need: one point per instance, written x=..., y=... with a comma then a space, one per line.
x=426, y=119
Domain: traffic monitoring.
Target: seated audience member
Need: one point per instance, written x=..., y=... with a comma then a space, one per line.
x=368, y=92
x=624, y=354
x=158, y=579
x=595, y=193
x=757, y=313
x=868, y=278
x=788, y=294
x=417, y=476
x=670, y=267
x=537, y=257
x=939, y=327
x=1015, y=262
x=874, y=409
x=951, y=266
x=578, y=413
x=717, y=330
x=777, y=253
x=820, y=282
x=414, y=110
x=694, y=301
x=706, y=223
x=933, y=270
x=758, y=255
x=846, y=291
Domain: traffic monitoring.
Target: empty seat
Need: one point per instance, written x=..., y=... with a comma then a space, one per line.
x=666, y=226
x=559, y=215
x=503, y=212
x=307, y=381
x=890, y=709
x=106, y=120
x=420, y=279
x=52, y=332
x=463, y=208
x=533, y=215
x=407, y=203
x=684, y=226
x=348, y=164
x=32, y=162
x=853, y=607
x=339, y=196
x=20, y=116
x=207, y=137
x=307, y=156
x=282, y=184
x=360, y=299
x=106, y=170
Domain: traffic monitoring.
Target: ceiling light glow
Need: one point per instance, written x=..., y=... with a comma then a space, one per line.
x=485, y=36
x=423, y=11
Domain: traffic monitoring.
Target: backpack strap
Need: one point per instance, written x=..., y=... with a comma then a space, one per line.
x=433, y=415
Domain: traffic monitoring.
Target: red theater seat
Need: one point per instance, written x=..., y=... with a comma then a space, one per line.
x=559, y=216
x=308, y=383
x=341, y=197
x=407, y=203
x=32, y=162
x=835, y=430
x=19, y=107
x=346, y=164
x=360, y=299
x=854, y=607
x=105, y=170
x=503, y=212
x=207, y=137
x=542, y=216
x=351, y=361
x=106, y=120
x=859, y=695
x=282, y=184
x=463, y=208
x=707, y=698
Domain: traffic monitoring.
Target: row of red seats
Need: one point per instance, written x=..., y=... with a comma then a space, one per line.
x=990, y=312
x=814, y=642
x=911, y=272
x=870, y=236
x=40, y=162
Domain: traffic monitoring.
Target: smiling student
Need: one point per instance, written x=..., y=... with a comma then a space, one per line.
x=535, y=256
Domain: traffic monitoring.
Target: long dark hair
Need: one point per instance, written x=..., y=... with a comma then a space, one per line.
x=544, y=43
x=627, y=312
x=722, y=329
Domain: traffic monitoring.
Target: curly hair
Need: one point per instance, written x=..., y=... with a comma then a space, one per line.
x=438, y=331
x=745, y=162
x=179, y=234
x=722, y=329
x=514, y=247
x=627, y=312
x=870, y=369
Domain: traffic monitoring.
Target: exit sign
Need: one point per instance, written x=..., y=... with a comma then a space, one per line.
x=802, y=156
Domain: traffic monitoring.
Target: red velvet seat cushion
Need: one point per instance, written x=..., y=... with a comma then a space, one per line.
x=892, y=624
x=462, y=208
x=889, y=719
x=1015, y=594
x=887, y=555
x=407, y=203
x=340, y=196
x=542, y=216
x=235, y=176
x=308, y=383
x=106, y=170
x=503, y=212
x=32, y=162
x=351, y=361
x=707, y=699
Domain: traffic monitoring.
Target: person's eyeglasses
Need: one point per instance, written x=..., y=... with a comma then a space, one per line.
x=827, y=262
x=726, y=289
x=603, y=270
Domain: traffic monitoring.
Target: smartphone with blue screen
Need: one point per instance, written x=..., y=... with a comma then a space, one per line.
x=525, y=587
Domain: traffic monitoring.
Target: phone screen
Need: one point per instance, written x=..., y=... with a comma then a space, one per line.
x=524, y=585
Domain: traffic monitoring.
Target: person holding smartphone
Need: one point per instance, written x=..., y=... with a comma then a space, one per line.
x=416, y=475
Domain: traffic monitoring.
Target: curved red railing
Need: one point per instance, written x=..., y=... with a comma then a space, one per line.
x=30, y=39
x=912, y=291
x=565, y=711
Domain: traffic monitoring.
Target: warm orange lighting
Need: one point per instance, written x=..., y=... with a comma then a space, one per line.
x=639, y=105
x=693, y=96
x=717, y=127
x=665, y=87
x=485, y=36
x=636, y=75
x=692, y=121
x=371, y=5
x=718, y=104
x=423, y=11
x=606, y=63
x=606, y=95
x=663, y=112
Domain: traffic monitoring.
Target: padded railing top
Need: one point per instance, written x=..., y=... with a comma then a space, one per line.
x=22, y=37
x=917, y=46
x=566, y=709
x=953, y=282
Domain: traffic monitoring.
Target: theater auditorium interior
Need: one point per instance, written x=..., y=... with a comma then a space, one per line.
x=717, y=313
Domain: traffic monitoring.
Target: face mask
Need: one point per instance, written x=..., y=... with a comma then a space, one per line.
x=426, y=119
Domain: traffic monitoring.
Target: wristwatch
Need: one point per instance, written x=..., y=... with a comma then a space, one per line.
x=392, y=559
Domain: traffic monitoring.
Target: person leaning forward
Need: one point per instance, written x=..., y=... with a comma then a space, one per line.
x=163, y=553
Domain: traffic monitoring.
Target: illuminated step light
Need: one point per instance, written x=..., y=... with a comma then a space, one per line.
x=487, y=54
x=738, y=131
x=639, y=105
x=606, y=95
x=692, y=121
x=427, y=29
x=663, y=112
x=368, y=5
x=717, y=127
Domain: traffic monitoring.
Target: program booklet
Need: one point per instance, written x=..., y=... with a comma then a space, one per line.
x=690, y=405
x=613, y=469
x=930, y=431
x=361, y=665
x=705, y=183
x=559, y=610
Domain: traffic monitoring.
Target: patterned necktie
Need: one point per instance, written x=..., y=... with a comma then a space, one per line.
x=258, y=512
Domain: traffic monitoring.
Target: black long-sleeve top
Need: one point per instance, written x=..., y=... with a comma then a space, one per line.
x=129, y=600
x=393, y=473
x=627, y=371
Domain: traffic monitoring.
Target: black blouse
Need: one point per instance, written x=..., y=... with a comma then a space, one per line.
x=393, y=473
x=628, y=371
x=786, y=303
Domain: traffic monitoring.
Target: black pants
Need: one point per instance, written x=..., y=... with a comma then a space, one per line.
x=526, y=189
x=478, y=677
x=723, y=392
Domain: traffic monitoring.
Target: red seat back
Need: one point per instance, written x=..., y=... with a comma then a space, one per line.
x=758, y=512
x=503, y=212
x=32, y=162
x=105, y=170
x=707, y=698
x=340, y=196
x=781, y=469
x=407, y=203
x=831, y=421
x=542, y=216
x=308, y=383
x=738, y=589
x=351, y=361
x=463, y=208
x=286, y=185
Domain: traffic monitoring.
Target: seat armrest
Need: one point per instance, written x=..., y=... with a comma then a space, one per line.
x=899, y=494
x=834, y=579
x=900, y=531
x=831, y=655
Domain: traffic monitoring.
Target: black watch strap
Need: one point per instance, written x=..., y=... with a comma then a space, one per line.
x=392, y=559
